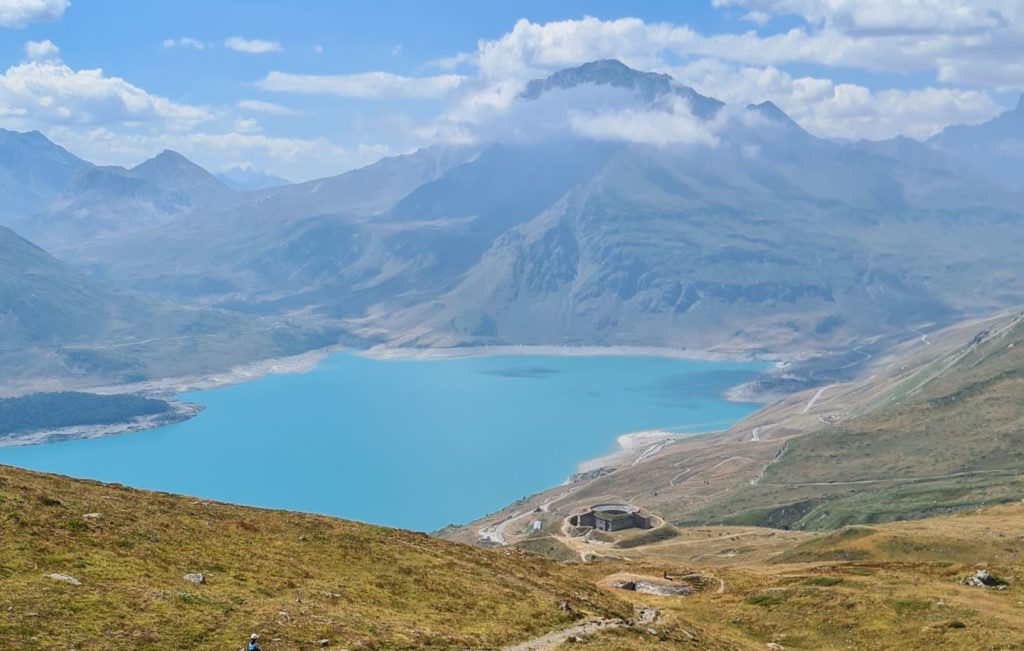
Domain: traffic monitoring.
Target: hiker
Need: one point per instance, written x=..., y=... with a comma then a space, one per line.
x=254, y=644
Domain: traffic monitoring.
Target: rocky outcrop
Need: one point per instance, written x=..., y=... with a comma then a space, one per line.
x=984, y=579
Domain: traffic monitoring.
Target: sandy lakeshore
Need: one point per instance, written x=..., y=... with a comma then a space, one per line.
x=386, y=352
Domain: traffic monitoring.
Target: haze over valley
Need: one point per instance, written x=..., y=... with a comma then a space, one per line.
x=695, y=328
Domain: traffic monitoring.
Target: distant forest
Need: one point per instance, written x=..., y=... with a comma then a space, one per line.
x=42, y=411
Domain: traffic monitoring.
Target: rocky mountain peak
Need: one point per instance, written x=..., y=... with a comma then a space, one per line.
x=650, y=86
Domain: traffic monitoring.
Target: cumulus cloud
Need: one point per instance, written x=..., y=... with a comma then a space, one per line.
x=41, y=50
x=18, y=13
x=593, y=112
x=53, y=93
x=953, y=40
x=368, y=85
x=252, y=46
x=748, y=67
x=847, y=111
x=184, y=42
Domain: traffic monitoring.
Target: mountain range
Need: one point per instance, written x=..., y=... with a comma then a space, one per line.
x=60, y=327
x=246, y=178
x=995, y=147
x=757, y=237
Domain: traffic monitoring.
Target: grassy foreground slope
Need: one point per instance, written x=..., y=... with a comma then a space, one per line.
x=299, y=579
x=294, y=578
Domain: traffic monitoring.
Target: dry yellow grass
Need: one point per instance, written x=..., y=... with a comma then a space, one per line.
x=901, y=592
x=299, y=578
x=295, y=578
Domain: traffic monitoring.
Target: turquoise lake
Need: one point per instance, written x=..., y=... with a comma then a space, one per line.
x=412, y=443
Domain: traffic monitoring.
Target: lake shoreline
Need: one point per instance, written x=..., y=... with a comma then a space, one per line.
x=628, y=446
x=687, y=354
x=179, y=412
x=586, y=379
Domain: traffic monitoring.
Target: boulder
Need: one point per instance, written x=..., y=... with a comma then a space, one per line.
x=65, y=578
x=198, y=578
x=984, y=579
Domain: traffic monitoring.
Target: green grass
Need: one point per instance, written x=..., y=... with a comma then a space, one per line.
x=823, y=581
x=661, y=534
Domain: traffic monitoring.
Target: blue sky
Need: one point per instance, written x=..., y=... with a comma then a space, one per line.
x=308, y=88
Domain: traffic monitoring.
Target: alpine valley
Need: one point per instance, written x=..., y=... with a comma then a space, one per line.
x=867, y=293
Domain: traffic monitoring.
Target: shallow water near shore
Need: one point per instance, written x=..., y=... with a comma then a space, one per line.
x=410, y=443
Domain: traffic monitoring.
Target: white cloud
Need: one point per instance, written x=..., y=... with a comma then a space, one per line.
x=828, y=109
x=368, y=85
x=247, y=125
x=41, y=50
x=50, y=92
x=252, y=46
x=269, y=108
x=758, y=17
x=954, y=40
x=747, y=67
x=18, y=13
x=185, y=42
x=673, y=124
x=890, y=16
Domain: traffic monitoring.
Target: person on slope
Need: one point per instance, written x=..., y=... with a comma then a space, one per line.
x=254, y=643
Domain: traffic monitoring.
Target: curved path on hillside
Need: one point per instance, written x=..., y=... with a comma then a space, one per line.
x=557, y=638
x=497, y=534
x=645, y=616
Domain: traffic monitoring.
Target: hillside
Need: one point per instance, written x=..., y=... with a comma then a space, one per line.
x=92, y=566
x=60, y=328
x=294, y=578
x=948, y=437
x=993, y=147
x=934, y=427
x=33, y=172
x=100, y=201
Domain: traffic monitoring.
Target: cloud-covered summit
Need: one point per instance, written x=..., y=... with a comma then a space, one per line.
x=366, y=87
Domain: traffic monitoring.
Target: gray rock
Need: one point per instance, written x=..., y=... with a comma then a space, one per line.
x=197, y=578
x=984, y=579
x=65, y=578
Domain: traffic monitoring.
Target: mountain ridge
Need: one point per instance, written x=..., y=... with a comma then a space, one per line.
x=765, y=240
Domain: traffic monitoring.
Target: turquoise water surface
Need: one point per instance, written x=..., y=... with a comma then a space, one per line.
x=415, y=444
